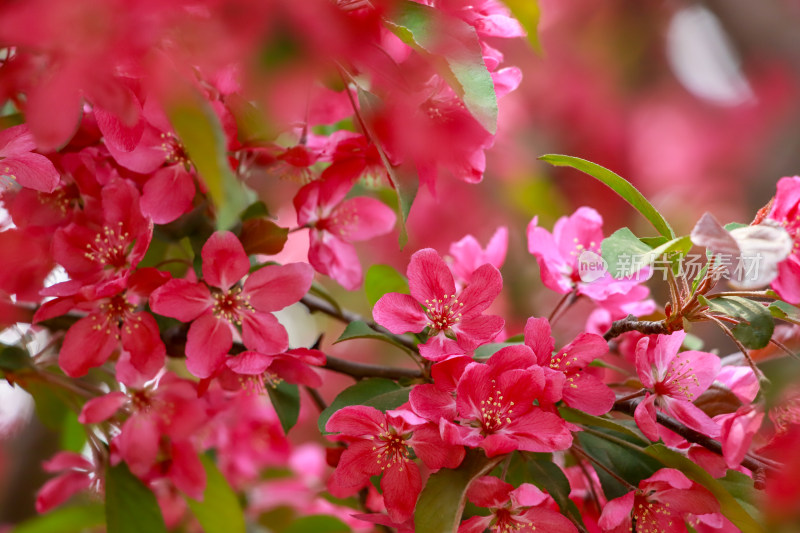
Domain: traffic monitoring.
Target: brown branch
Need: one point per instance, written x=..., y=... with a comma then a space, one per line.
x=630, y=323
x=750, y=462
x=363, y=370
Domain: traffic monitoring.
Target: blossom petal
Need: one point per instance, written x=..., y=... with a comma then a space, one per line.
x=428, y=276
x=645, y=417
x=361, y=219
x=617, y=513
x=274, y=287
x=224, y=260
x=433, y=451
x=87, y=344
x=401, y=485
x=357, y=464
x=208, y=341
x=59, y=489
x=102, y=408
x=186, y=471
x=399, y=313
x=538, y=336
x=585, y=392
x=181, y=299
x=432, y=403
x=33, y=171
x=483, y=288
x=141, y=337
x=263, y=333
x=167, y=194
x=356, y=421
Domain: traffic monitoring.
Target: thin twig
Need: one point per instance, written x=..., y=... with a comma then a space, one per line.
x=576, y=448
x=757, y=371
x=630, y=323
x=563, y=304
x=316, y=397
x=363, y=370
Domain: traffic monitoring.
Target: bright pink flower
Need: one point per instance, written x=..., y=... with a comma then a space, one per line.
x=513, y=509
x=581, y=389
x=496, y=411
x=737, y=431
x=110, y=242
x=454, y=320
x=219, y=304
x=378, y=443
x=77, y=474
x=437, y=400
x=786, y=210
x=170, y=409
x=19, y=163
x=255, y=371
x=467, y=255
x=661, y=503
x=113, y=322
x=558, y=254
x=676, y=380
x=336, y=223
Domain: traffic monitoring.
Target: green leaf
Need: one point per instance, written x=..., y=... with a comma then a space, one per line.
x=404, y=181
x=550, y=478
x=361, y=330
x=358, y=394
x=285, y=398
x=527, y=12
x=14, y=358
x=628, y=461
x=441, y=502
x=618, y=184
x=454, y=47
x=756, y=323
x=201, y=133
x=130, y=506
x=785, y=311
x=577, y=416
x=50, y=402
x=382, y=279
x=485, y=351
x=730, y=507
x=619, y=250
x=317, y=524
x=219, y=511
x=261, y=236
x=75, y=519
x=73, y=433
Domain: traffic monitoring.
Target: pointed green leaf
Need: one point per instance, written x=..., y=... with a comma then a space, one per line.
x=455, y=41
x=756, y=323
x=219, y=511
x=130, y=506
x=576, y=416
x=441, y=503
x=619, y=250
x=361, y=330
x=200, y=131
x=549, y=477
x=382, y=279
x=359, y=394
x=285, y=398
x=785, y=311
x=618, y=184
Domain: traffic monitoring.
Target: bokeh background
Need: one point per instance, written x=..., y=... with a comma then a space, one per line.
x=696, y=103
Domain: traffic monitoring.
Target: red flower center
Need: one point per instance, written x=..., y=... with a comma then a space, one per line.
x=391, y=450
x=110, y=247
x=443, y=313
x=230, y=305
x=495, y=412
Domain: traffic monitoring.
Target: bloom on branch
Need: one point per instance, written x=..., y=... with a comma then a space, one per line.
x=20, y=164
x=218, y=304
x=336, y=223
x=786, y=210
x=674, y=380
x=496, y=411
x=662, y=503
x=513, y=509
x=379, y=443
x=455, y=321
x=581, y=389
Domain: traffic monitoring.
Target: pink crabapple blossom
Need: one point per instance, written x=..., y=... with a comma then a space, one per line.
x=378, y=443
x=335, y=223
x=522, y=509
x=786, y=211
x=660, y=504
x=218, y=304
x=455, y=321
x=495, y=409
x=674, y=381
